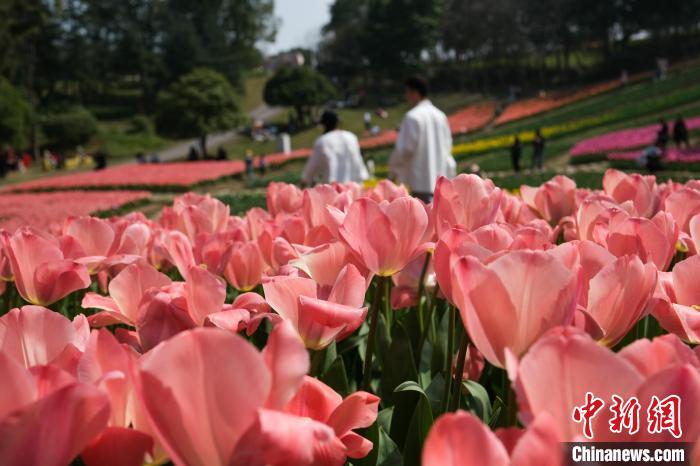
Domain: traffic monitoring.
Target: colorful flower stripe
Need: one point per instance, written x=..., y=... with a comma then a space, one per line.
x=624, y=139
x=674, y=155
x=48, y=210
x=181, y=174
x=536, y=105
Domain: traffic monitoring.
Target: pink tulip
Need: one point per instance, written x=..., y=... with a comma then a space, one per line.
x=677, y=311
x=618, y=296
x=192, y=214
x=460, y=438
x=162, y=314
x=94, y=236
x=641, y=190
x=42, y=274
x=34, y=335
x=317, y=401
x=118, y=446
x=324, y=263
x=320, y=318
x=284, y=198
x=386, y=190
x=553, y=200
x=653, y=356
x=503, y=305
x=245, y=266
x=473, y=364
x=386, y=235
x=683, y=205
x=125, y=293
x=466, y=200
x=558, y=371
x=215, y=383
x=653, y=240
x=46, y=416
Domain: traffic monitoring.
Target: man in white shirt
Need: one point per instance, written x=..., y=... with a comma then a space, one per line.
x=423, y=149
x=336, y=155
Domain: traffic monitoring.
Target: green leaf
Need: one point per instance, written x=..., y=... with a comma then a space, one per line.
x=478, y=401
x=418, y=429
x=336, y=377
x=397, y=363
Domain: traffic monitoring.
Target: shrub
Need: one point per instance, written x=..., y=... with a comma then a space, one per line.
x=70, y=127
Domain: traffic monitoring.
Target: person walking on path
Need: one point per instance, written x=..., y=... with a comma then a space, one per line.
x=515, y=153
x=538, y=150
x=680, y=133
x=423, y=150
x=336, y=155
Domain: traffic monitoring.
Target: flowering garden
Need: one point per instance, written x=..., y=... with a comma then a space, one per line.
x=349, y=324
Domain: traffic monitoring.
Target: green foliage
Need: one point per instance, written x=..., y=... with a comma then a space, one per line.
x=14, y=115
x=198, y=103
x=140, y=124
x=299, y=87
x=68, y=128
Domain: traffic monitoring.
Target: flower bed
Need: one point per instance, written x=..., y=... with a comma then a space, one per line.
x=180, y=174
x=624, y=139
x=536, y=105
x=344, y=323
x=48, y=210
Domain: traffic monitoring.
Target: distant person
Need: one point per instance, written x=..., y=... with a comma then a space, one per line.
x=680, y=133
x=336, y=155
x=662, y=135
x=3, y=162
x=262, y=166
x=515, y=152
x=221, y=154
x=249, y=164
x=538, y=150
x=140, y=158
x=192, y=155
x=651, y=158
x=423, y=149
x=368, y=121
x=155, y=158
x=100, y=159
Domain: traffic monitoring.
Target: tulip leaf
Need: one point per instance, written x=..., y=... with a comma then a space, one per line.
x=418, y=428
x=398, y=364
x=477, y=400
x=336, y=377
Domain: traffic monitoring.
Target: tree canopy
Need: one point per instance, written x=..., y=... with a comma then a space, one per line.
x=198, y=103
x=299, y=87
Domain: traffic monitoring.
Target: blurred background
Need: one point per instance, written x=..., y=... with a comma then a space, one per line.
x=84, y=82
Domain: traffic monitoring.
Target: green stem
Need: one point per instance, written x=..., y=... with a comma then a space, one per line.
x=371, y=337
x=421, y=289
x=459, y=370
x=448, y=359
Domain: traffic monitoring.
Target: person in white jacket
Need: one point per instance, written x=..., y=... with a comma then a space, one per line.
x=423, y=149
x=336, y=155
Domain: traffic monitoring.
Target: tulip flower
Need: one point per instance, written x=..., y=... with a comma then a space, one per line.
x=653, y=240
x=125, y=293
x=41, y=273
x=683, y=205
x=319, y=318
x=245, y=266
x=466, y=200
x=94, y=236
x=653, y=356
x=641, y=190
x=46, y=416
x=553, y=200
x=618, y=296
x=384, y=236
x=503, y=304
x=461, y=438
x=193, y=214
x=677, y=308
x=284, y=198
x=34, y=335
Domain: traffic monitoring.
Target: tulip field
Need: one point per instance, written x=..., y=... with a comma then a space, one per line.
x=348, y=324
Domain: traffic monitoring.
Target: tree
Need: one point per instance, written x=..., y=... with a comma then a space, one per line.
x=15, y=114
x=198, y=103
x=301, y=88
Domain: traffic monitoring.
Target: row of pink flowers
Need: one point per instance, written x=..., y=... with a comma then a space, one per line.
x=529, y=107
x=673, y=154
x=545, y=283
x=47, y=211
x=623, y=139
